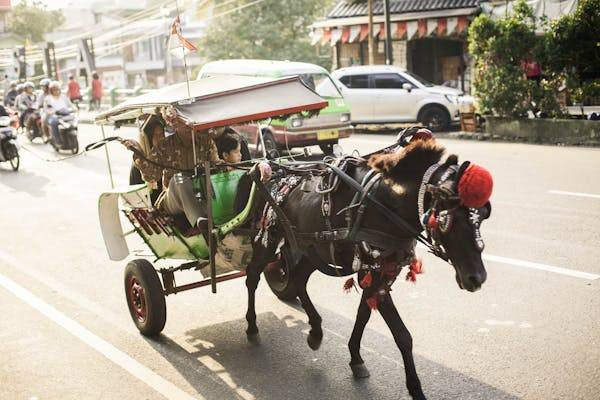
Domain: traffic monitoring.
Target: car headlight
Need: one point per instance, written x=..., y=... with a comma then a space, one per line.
x=451, y=98
x=345, y=117
x=296, y=123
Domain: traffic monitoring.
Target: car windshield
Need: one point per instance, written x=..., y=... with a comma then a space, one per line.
x=419, y=79
x=322, y=84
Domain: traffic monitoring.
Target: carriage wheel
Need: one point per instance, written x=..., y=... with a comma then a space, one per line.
x=279, y=277
x=145, y=297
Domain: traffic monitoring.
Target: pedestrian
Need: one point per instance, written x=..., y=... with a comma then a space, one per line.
x=74, y=91
x=96, y=92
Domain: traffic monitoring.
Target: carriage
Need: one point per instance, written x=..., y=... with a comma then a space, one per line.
x=221, y=249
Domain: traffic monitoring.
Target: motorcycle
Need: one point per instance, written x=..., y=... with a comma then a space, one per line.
x=67, y=129
x=34, y=129
x=9, y=147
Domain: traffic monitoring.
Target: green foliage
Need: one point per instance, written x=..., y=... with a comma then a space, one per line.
x=499, y=48
x=31, y=20
x=272, y=29
x=572, y=48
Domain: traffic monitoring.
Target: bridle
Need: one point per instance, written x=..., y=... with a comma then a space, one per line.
x=437, y=220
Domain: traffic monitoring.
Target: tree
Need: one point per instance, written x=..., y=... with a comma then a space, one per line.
x=572, y=48
x=31, y=20
x=272, y=29
x=500, y=48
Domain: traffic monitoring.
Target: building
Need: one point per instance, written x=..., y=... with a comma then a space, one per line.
x=428, y=37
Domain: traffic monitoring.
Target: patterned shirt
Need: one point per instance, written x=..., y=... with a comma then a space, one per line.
x=172, y=152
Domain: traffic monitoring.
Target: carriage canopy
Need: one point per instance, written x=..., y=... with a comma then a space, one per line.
x=222, y=100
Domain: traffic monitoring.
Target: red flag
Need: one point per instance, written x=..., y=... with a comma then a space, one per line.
x=178, y=45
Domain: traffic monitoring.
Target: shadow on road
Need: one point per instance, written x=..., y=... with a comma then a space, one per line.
x=23, y=181
x=283, y=366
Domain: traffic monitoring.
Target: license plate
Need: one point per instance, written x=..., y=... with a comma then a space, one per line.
x=328, y=135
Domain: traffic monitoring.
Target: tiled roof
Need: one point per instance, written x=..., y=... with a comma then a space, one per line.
x=345, y=8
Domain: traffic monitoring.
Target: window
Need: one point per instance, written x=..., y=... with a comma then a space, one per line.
x=355, y=81
x=389, y=81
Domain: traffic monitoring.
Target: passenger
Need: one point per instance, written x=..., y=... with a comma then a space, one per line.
x=11, y=95
x=176, y=151
x=45, y=91
x=152, y=133
x=229, y=148
x=25, y=103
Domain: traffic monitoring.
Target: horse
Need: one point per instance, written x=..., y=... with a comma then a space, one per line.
x=414, y=186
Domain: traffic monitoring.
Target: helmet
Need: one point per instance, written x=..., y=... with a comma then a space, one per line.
x=45, y=82
x=28, y=84
x=19, y=87
x=54, y=84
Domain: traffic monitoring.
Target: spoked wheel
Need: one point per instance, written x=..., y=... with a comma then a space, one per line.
x=145, y=297
x=279, y=276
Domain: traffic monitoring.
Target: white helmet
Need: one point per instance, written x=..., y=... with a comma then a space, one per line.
x=28, y=85
x=54, y=84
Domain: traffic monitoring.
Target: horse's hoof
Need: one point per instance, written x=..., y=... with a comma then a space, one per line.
x=314, y=342
x=360, y=371
x=253, y=338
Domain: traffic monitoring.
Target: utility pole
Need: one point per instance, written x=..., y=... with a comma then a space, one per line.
x=371, y=44
x=19, y=55
x=50, y=60
x=389, y=56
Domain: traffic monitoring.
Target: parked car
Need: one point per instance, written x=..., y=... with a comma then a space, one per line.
x=389, y=94
x=324, y=130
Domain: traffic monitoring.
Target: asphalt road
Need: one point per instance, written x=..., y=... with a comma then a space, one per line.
x=532, y=332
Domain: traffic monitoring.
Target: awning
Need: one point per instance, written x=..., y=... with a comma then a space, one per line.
x=404, y=30
x=222, y=100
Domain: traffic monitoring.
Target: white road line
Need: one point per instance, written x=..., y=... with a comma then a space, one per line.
x=576, y=194
x=147, y=376
x=528, y=264
x=550, y=268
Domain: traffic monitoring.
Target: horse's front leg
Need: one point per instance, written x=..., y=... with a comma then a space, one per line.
x=260, y=257
x=315, y=336
x=403, y=340
x=362, y=317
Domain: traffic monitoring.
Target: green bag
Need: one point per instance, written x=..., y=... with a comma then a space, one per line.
x=224, y=189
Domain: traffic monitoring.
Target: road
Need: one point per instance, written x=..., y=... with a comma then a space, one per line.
x=532, y=332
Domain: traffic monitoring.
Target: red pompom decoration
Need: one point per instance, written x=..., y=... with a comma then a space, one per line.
x=475, y=186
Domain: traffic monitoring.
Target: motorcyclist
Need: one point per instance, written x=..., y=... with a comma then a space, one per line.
x=56, y=102
x=11, y=95
x=44, y=86
x=25, y=103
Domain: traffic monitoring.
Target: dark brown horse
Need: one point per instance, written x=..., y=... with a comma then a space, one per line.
x=452, y=228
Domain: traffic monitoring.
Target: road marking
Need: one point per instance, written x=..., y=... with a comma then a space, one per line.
x=528, y=264
x=576, y=194
x=543, y=267
x=144, y=374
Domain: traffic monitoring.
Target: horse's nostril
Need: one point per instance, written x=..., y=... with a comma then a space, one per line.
x=475, y=280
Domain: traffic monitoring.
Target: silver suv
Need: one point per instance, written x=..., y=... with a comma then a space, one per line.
x=388, y=94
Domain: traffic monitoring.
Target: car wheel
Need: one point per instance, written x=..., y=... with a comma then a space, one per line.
x=435, y=119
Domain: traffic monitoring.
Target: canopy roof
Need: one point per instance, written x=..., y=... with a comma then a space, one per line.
x=222, y=100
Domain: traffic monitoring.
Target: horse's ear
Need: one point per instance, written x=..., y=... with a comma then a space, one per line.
x=383, y=163
x=451, y=160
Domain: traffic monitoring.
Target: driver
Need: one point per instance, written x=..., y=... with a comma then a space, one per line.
x=54, y=103
x=44, y=86
x=25, y=103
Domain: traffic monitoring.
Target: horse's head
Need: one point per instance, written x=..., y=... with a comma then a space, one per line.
x=449, y=200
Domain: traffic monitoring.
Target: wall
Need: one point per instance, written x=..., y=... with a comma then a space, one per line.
x=545, y=130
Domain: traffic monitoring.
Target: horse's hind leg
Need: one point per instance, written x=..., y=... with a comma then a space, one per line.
x=315, y=336
x=260, y=258
x=403, y=340
x=362, y=317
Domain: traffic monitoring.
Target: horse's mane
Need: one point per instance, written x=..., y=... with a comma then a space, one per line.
x=415, y=157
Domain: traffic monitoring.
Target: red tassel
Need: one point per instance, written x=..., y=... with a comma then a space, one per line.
x=372, y=302
x=349, y=284
x=416, y=267
x=432, y=223
x=366, y=281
